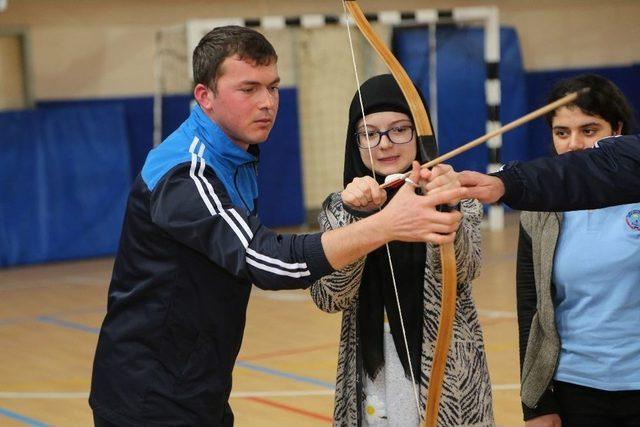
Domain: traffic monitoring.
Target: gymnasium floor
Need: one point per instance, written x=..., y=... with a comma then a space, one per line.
x=50, y=317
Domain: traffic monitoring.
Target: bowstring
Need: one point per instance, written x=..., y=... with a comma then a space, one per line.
x=373, y=172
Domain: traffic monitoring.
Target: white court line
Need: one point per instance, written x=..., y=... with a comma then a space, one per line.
x=496, y=314
x=236, y=394
x=501, y=387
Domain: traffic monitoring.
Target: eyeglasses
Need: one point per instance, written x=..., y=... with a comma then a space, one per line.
x=370, y=138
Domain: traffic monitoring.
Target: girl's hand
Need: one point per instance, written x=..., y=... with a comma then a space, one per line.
x=363, y=194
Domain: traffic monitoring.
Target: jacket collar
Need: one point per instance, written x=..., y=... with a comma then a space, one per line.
x=219, y=143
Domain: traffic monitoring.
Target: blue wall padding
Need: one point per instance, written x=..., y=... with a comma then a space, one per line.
x=280, y=175
x=138, y=119
x=64, y=179
x=539, y=85
x=175, y=109
x=461, y=74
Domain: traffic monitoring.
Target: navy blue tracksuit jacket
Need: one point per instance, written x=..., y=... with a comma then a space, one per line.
x=190, y=249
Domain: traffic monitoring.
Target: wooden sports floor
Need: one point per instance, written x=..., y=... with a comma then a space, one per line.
x=50, y=316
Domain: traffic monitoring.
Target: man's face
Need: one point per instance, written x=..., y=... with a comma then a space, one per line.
x=245, y=103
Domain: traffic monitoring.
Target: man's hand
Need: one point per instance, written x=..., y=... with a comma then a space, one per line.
x=412, y=218
x=485, y=188
x=441, y=178
x=363, y=194
x=549, y=420
x=408, y=217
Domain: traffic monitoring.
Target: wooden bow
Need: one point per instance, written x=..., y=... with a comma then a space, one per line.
x=447, y=253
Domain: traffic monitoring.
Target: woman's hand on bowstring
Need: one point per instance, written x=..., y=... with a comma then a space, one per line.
x=363, y=194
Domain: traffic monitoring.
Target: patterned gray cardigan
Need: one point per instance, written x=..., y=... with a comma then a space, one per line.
x=466, y=392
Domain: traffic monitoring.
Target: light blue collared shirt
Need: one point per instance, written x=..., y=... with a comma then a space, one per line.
x=597, y=281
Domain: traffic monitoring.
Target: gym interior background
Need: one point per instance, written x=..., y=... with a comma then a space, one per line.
x=79, y=82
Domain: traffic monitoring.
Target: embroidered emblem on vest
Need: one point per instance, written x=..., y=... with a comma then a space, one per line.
x=633, y=219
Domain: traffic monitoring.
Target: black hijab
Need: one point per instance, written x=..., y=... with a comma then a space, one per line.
x=376, y=295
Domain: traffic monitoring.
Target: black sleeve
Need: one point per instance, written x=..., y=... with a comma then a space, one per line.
x=526, y=294
x=527, y=302
x=589, y=179
x=196, y=211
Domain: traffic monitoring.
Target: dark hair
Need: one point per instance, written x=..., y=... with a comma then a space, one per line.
x=604, y=99
x=224, y=42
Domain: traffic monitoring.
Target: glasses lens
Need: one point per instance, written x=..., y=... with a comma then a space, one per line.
x=401, y=134
x=367, y=139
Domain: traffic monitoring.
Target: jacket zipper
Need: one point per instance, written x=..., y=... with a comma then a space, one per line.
x=235, y=184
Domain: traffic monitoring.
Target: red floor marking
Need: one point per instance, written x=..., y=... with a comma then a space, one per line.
x=292, y=409
x=287, y=352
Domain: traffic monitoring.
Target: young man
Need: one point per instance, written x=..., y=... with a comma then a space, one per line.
x=192, y=246
x=588, y=179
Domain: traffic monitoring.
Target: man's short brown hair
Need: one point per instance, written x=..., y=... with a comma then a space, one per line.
x=224, y=42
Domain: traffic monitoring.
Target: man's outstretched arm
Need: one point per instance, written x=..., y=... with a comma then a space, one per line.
x=606, y=175
x=408, y=217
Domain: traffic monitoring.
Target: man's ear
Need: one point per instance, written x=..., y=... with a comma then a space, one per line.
x=618, y=131
x=201, y=95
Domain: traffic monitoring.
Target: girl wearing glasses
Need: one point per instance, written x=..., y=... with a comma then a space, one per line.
x=578, y=286
x=374, y=381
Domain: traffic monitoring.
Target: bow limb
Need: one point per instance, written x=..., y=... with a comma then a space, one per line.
x=447, y=253
x=445, y=331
